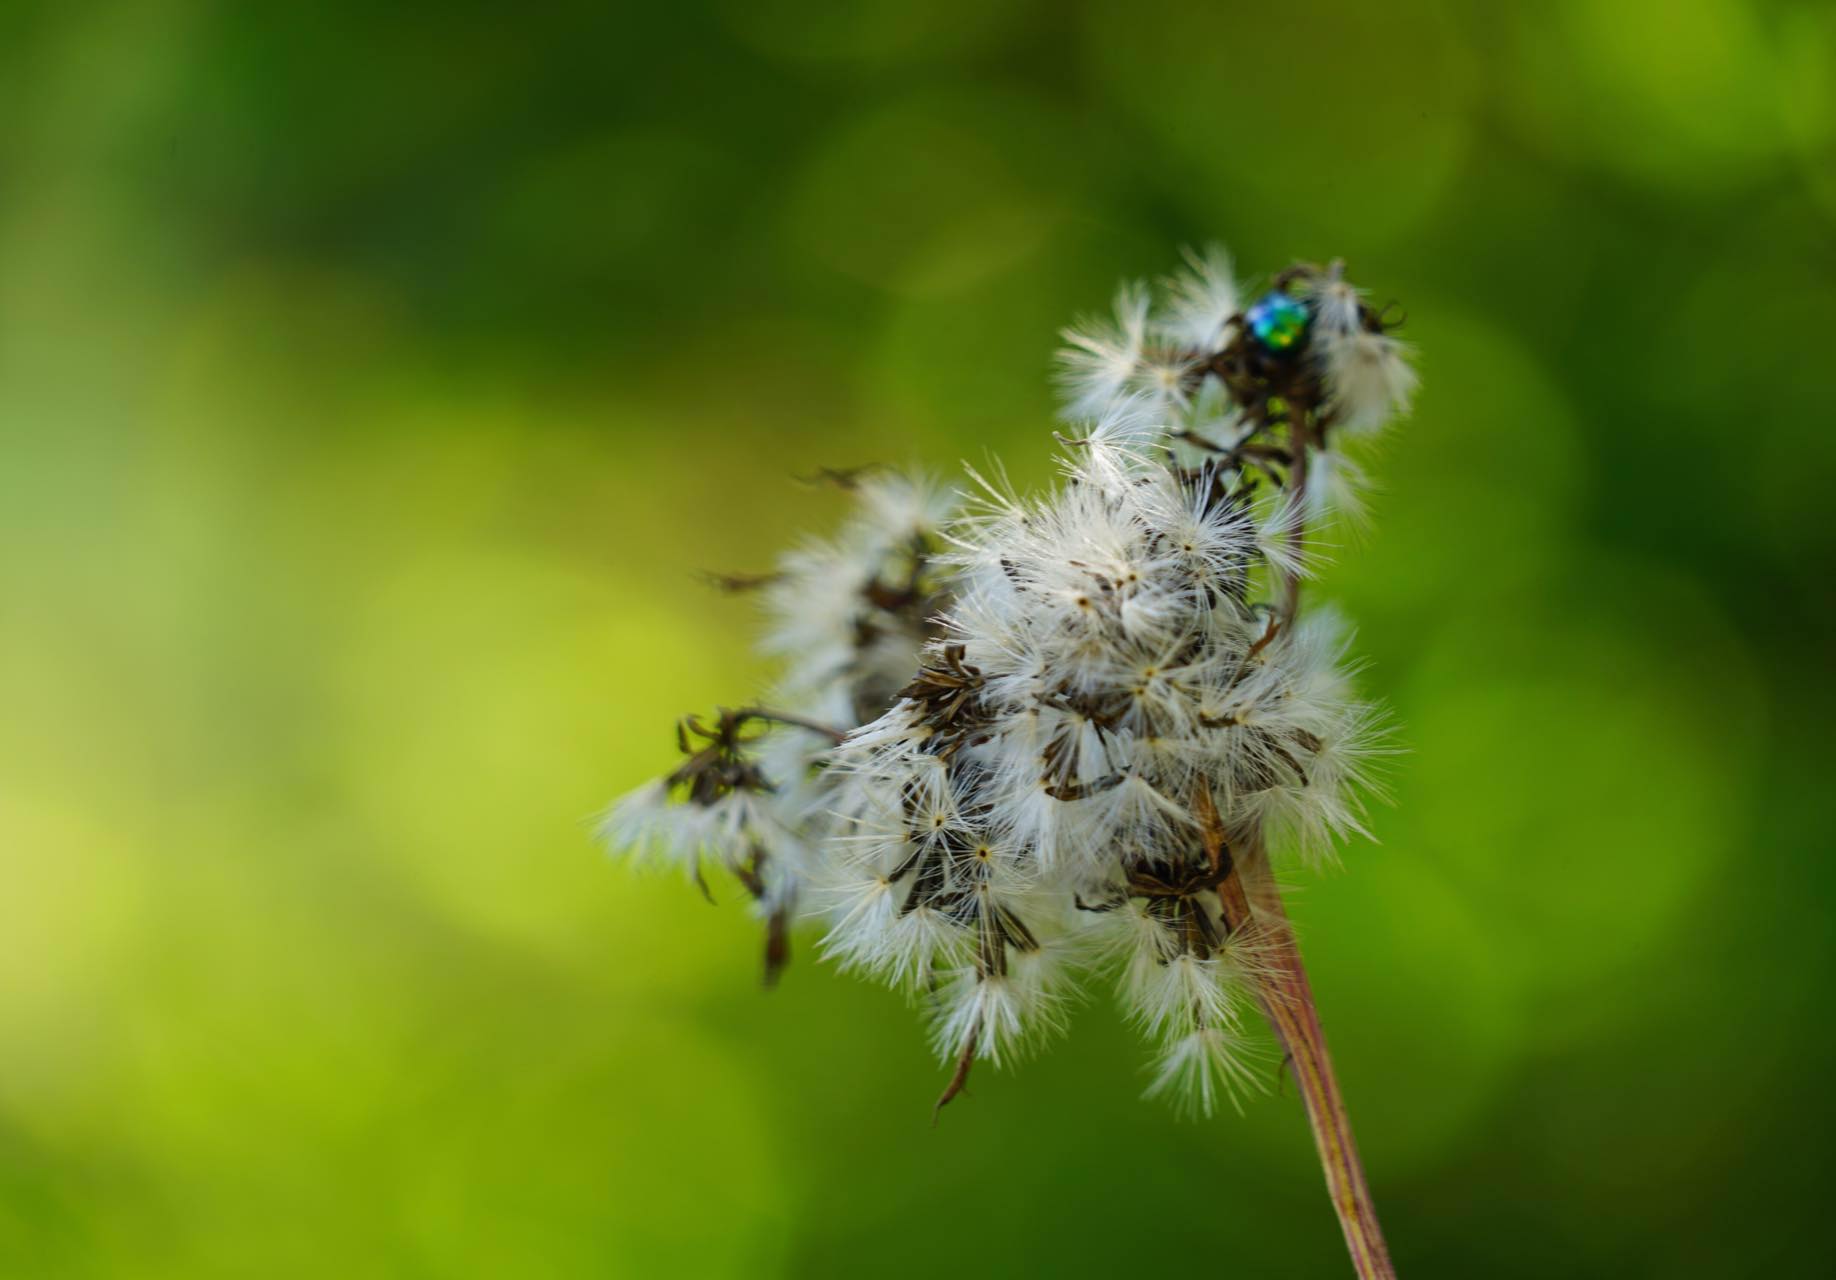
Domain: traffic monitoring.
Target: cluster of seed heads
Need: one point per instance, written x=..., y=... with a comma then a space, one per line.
x=1023, y=741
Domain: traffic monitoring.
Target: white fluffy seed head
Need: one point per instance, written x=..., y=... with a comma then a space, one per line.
x=1002, y=1016
x=1033, y=689
x=1208, y=1066
x=1202, y=302
x=1102, y=361
x=1369, y=378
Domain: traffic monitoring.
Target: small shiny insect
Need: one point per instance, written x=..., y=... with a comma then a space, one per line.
x=1278, y=321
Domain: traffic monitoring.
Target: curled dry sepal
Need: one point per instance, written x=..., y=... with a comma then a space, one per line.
x=1021, y=743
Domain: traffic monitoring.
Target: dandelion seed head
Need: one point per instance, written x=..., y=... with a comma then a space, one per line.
x=978, y=769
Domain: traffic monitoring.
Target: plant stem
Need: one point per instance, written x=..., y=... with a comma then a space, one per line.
x=959, y=1079
x=1292, y=1012
x=1286, y=998
x=785, y=717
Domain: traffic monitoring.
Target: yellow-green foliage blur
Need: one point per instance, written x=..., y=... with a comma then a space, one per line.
x=375, y=379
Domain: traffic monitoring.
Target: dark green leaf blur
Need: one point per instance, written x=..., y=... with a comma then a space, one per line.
x=376, y=379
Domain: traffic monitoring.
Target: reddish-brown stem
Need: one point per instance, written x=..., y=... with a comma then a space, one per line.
x=785, y=717
x=1286, y=998
x=959, y=1079
x=777, y=944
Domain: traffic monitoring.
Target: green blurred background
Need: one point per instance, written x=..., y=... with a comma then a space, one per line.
x=374, y=380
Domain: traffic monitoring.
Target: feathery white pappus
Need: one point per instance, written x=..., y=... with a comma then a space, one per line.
x=1021, y=742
